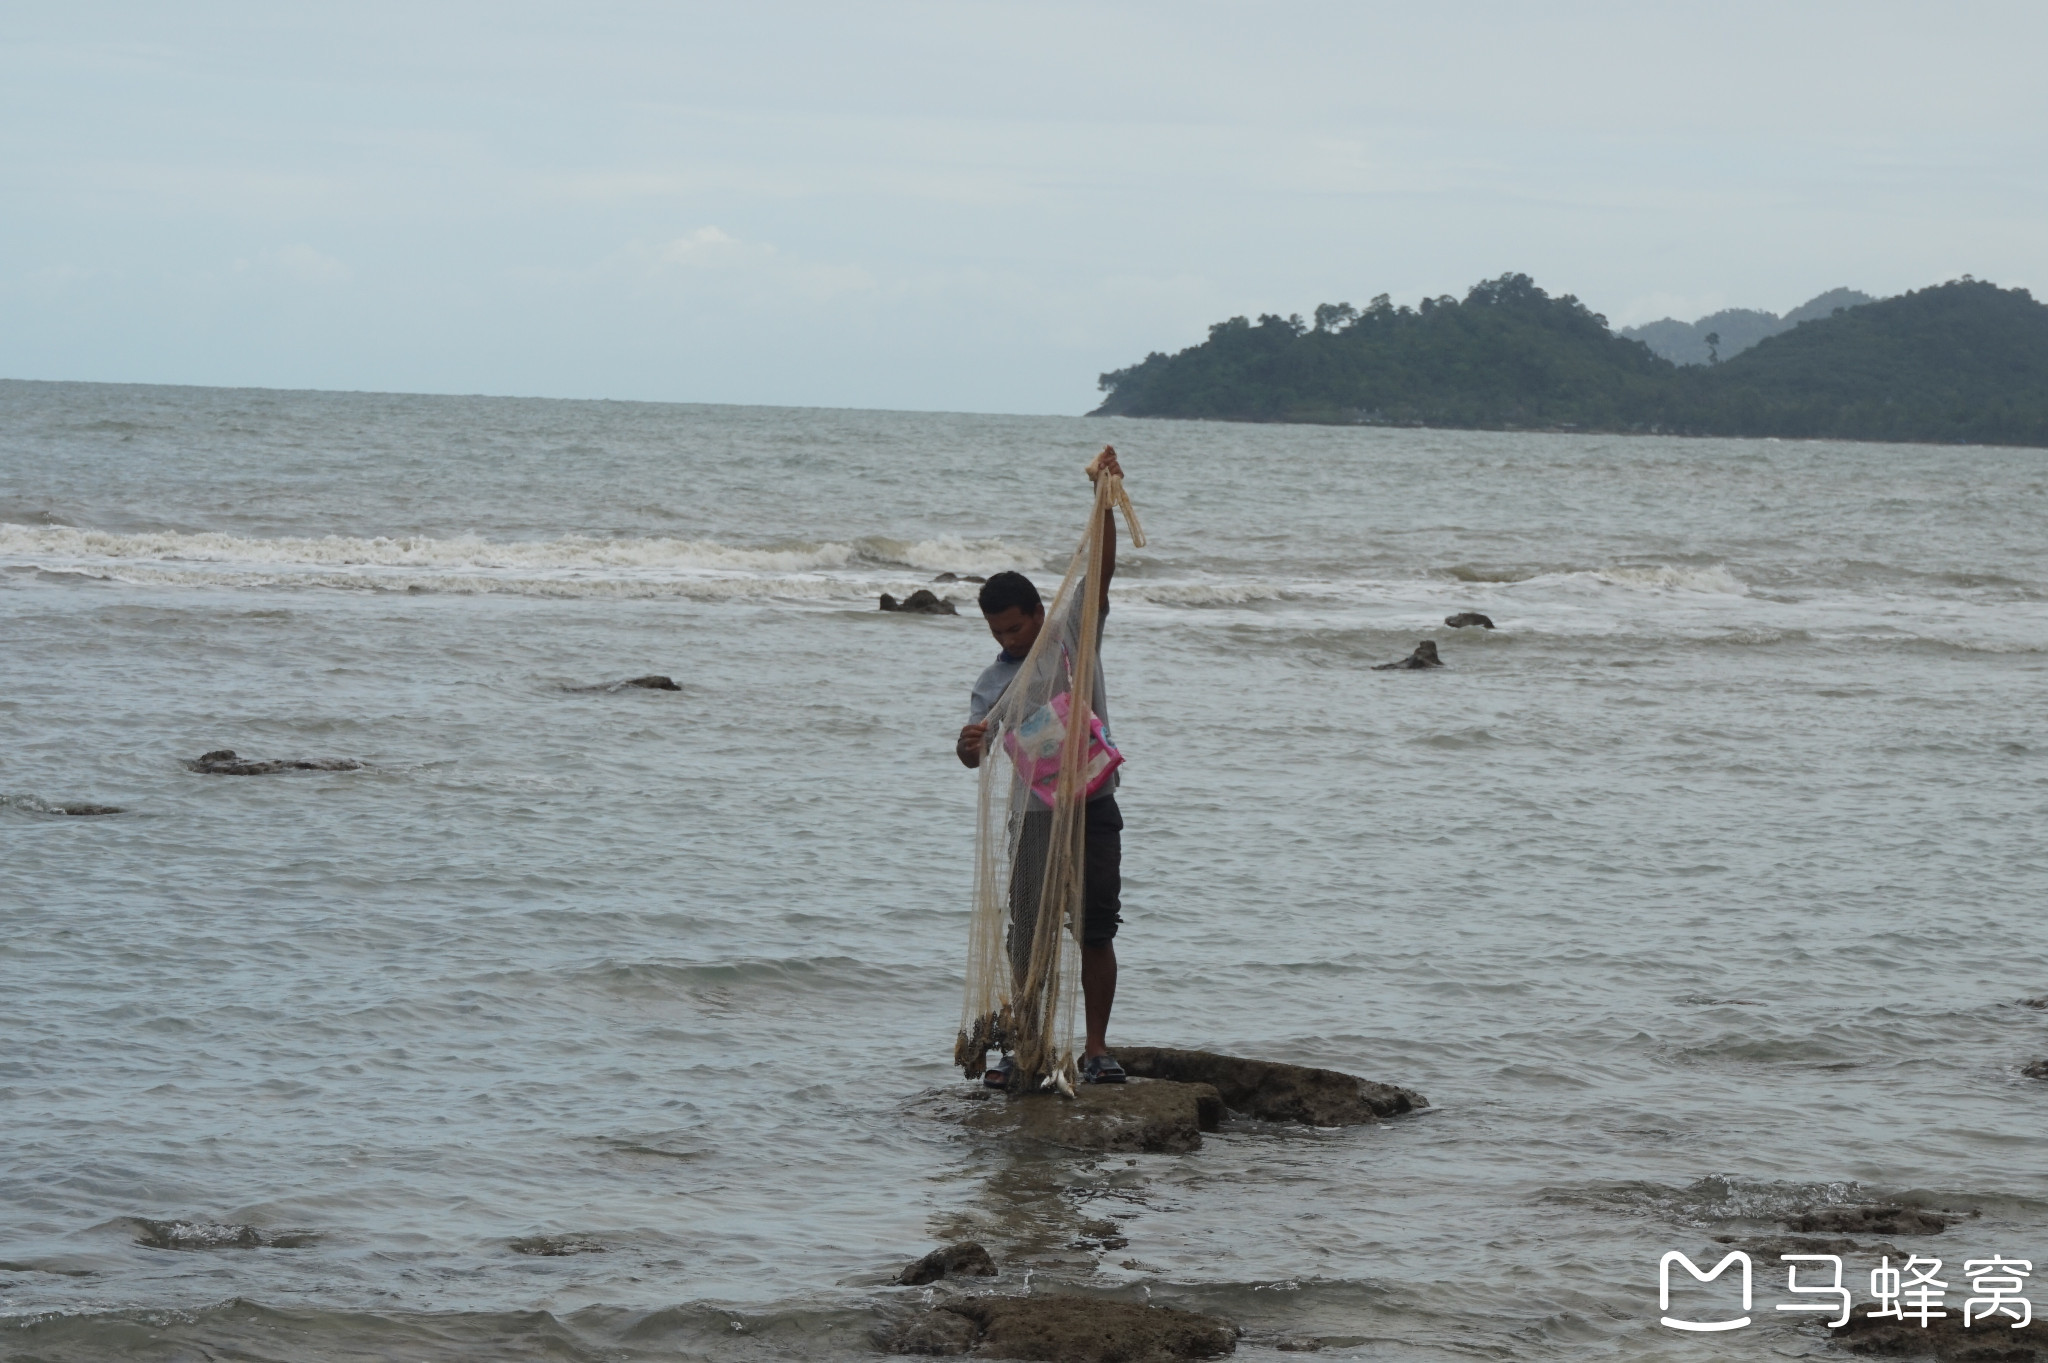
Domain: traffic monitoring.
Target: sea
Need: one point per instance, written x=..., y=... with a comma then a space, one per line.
x=1702, y=894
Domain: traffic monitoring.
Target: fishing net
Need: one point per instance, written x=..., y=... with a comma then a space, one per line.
x=1044, y=755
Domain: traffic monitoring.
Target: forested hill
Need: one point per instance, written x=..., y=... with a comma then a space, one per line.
x=1963, y=361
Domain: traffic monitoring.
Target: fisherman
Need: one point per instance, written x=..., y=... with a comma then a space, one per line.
x=1015, y=614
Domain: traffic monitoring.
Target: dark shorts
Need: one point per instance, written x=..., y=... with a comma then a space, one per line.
x=1102, y=871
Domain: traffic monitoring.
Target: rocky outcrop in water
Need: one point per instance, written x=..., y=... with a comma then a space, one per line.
x=1276, y=1092
x=959, y=577
x=224, y=762
x=1985, y=1340
x=651, y=682
x=1766, y=1249
x=2037, y=1070
x=215, y=1235
x=1063, y=1328
x=1871, y=1219
x=923, y=601
x=1465, y=618
x=1143, y=1116
x=964, y=1260
x=80, y=809
x=556, y=1246
x=1423, y=656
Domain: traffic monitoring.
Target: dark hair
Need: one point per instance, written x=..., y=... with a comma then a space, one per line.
x=1005, y=590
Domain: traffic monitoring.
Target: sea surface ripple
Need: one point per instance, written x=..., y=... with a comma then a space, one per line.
x=1702, y=892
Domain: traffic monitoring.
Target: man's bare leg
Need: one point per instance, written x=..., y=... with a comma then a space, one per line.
x=1098, y=993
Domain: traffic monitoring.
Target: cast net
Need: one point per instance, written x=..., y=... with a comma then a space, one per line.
x=1044, y=754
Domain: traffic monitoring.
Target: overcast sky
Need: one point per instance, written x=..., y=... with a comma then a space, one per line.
x=967, y=206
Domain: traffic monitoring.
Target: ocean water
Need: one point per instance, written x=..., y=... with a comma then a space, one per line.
x=1702, y=892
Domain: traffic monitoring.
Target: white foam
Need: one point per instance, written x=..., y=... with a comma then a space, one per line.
x=1671, y=577
x=570, y=552
x=952, y=554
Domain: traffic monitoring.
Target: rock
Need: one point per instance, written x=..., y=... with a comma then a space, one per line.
x=1423, y=656
x=215, y=1235
x=1870, y=1220
x=920, y=602
x=956, y=577
x=2038, y=1001
x=653, y=681
x=1990, y=1340
x=937, y=1332
x=2037, y=1070
x=556, y=1246
x=966, y=1259
x=223, y=762
x=1275, y=1092
x=1765, y=1250
x=85, y=811
x=1308, y=1344
x=1143, y=1116
x=1464, y=618
x=1066, y=1328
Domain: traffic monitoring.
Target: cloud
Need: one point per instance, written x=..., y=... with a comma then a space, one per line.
x=304, y=263
x=708, y=248
x=757, y=265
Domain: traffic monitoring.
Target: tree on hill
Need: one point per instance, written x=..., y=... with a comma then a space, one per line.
x=1738, y=328
x=1963, y=361
x=1507, y=354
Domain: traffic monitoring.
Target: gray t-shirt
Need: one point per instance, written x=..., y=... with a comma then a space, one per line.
x=995, y=679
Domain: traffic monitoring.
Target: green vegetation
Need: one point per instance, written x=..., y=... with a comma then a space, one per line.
x=1737, y=328
x=1963, y=361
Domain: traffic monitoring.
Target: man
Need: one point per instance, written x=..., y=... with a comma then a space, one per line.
x=1015, y=614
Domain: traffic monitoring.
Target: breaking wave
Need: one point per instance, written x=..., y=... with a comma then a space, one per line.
x=570, y=565
x=948, y=553
x=1671, y=577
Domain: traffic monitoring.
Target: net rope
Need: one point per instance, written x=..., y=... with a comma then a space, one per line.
x=1023, y=984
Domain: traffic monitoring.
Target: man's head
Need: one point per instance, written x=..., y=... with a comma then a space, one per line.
x=1014, y=613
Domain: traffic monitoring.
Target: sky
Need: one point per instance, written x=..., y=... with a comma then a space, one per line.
x=959, y=206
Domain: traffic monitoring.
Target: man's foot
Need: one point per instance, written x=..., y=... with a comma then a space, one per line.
x=1003, y=1076
x=1101, y=1069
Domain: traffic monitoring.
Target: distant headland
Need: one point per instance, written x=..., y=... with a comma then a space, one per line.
x=1964, y=361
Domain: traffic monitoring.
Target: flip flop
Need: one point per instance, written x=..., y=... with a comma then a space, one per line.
x=1102, y=1069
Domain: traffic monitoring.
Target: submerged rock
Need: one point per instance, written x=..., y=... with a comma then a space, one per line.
x=1766, y=1249
x=2037, y=1070
x=937, y=1332
x=2038, y=1001
x=1986, y=1340
x=81, y=810
x=923, y=601
x=556, y=1246
x=1464, y=618
x=1143, y=1116
x=215, y=1235
x=964, y=1260
x=653, y=681
x=1064, y=1328
x=959, y=577
x=1273, y=1091
x=1858, y=1219
x=224, y=762
x=1423, y=656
